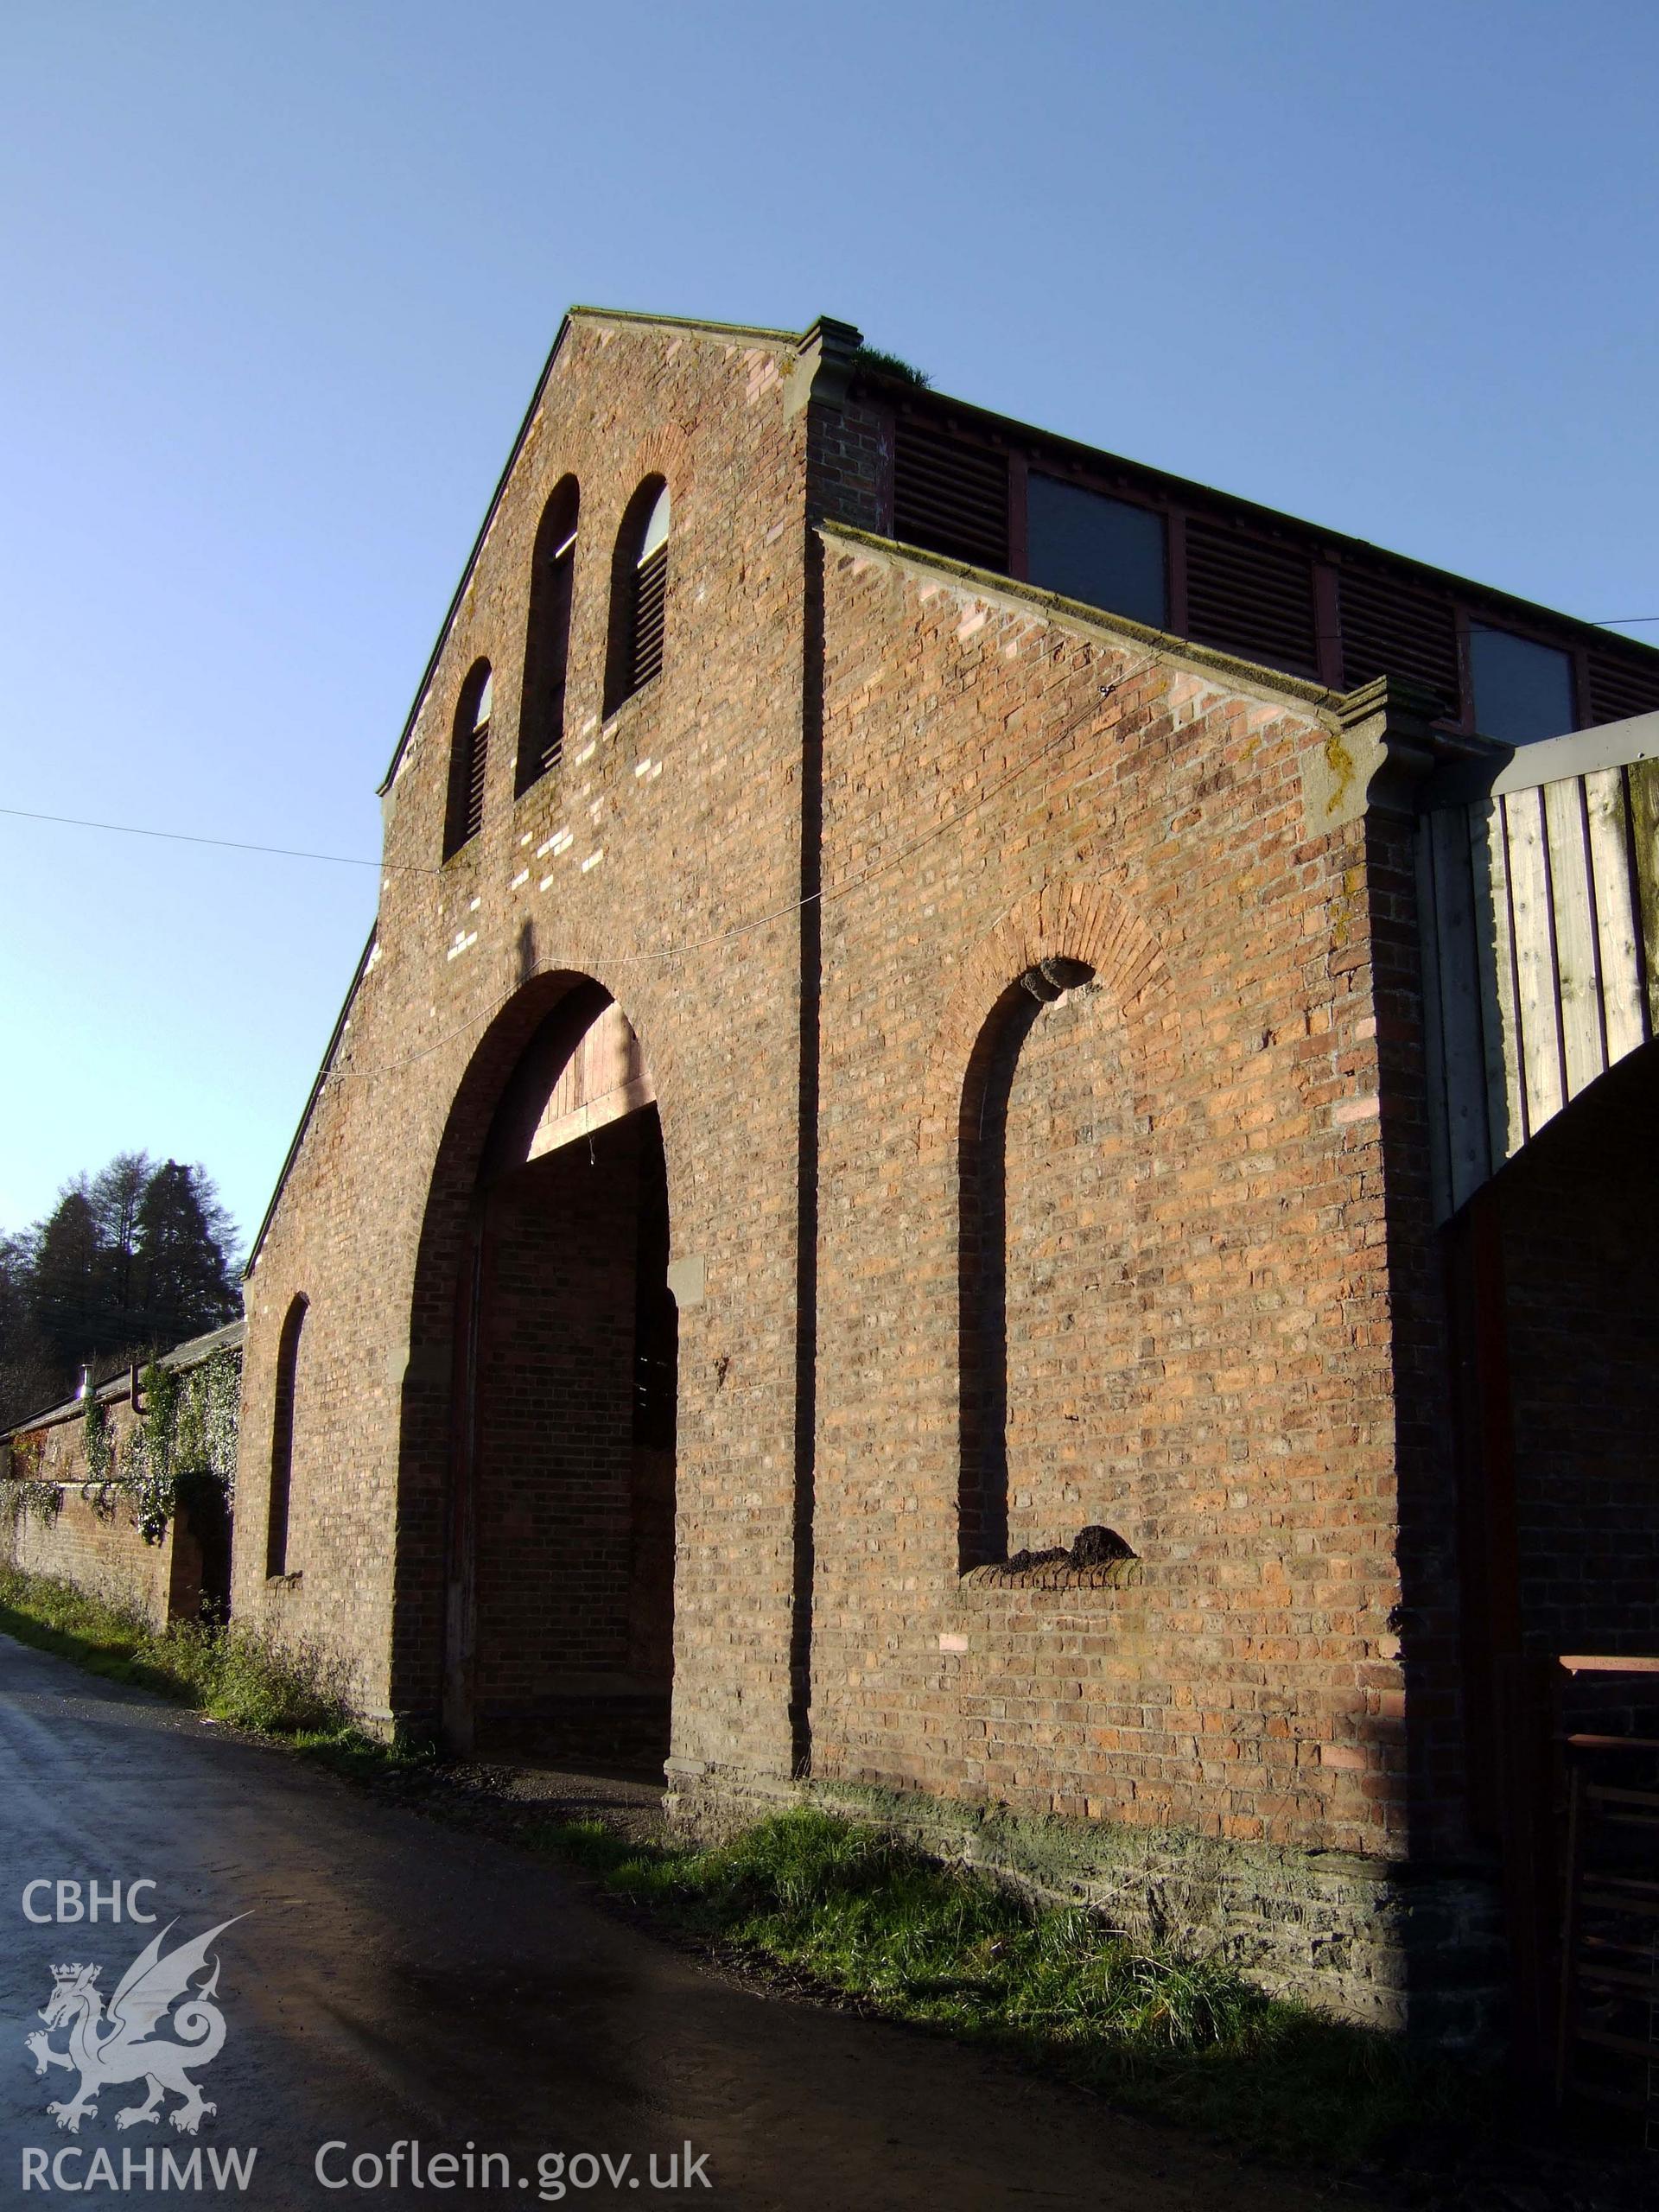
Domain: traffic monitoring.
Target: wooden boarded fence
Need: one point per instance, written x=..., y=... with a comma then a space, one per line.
x=1538, y=884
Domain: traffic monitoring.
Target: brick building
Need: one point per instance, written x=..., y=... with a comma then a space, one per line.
x=894, y=1204
x=88, y=1529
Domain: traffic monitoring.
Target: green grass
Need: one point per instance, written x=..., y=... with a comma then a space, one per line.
x=867, y=1915
x=241, y=1675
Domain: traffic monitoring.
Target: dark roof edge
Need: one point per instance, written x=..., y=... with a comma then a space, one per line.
x=312, y=1096
x=590, y=314
x=991, y=583
x=191, y=1353
x=924, y=398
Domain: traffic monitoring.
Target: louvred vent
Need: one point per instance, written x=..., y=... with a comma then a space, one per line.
x=949, y=495
x=555, y=646
x=478, y=762
x=1619, y=689
x=650, y=610
x=1248, y=595
x=1388, y=629
x=547, y=647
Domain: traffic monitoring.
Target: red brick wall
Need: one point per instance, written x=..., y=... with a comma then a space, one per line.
x=1079, y=1386
x=669, y=827
x=1390, y=1218
x=983, y=806
x=1202, y=1351
x=555, y=1393
x=97, y=1545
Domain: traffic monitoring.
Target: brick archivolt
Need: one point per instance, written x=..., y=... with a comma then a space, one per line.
x=1065, y=920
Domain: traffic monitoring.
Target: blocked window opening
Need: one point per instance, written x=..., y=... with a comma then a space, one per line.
x=562, y=1504
x=469, y=758
x=1050, y=1386
x=282, y=1440
x=547, y=637
x=639, y=594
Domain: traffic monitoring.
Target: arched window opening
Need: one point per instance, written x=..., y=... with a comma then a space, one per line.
x=986, y=1237
x=282, y=1440
x=547, y=639
x=469, y=758
x=639, y=594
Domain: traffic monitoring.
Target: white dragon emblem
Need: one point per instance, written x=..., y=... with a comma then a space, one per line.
x=120, y=2047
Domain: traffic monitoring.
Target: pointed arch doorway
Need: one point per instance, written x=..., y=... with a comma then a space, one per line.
x=560, y=1539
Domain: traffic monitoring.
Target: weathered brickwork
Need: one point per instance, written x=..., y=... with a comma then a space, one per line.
x=93, y=1539
x=645, y=860
x=1360, y=1935
x=575, y=1532
x=1203, y=1358
x=1030, y=1006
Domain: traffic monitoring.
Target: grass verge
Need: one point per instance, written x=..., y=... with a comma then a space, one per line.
x=867, y=1916
x=237, y=1674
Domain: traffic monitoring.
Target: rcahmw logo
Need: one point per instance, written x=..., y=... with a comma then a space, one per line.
x=112, y=2046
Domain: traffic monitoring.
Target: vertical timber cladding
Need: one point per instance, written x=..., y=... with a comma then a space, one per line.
x=1540, y=916
x=668, y=824
x=1196, y=1338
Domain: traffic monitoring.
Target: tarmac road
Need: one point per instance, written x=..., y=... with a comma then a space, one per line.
x=394, y=1980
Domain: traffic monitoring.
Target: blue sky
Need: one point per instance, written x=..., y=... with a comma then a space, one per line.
x=279, y=276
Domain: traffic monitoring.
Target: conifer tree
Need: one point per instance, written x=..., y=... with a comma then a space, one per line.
x=28, y=1377
x=117, y=1196
x=182, y=1239
x=68, y=1288
x=129, y=1262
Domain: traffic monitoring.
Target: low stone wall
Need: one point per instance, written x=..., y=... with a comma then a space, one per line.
x=1369, y=1941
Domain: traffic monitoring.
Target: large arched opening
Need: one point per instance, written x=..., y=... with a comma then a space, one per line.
x=557, y=1536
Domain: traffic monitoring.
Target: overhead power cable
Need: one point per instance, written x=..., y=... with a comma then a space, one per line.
x=416, y=868
x=224, y=844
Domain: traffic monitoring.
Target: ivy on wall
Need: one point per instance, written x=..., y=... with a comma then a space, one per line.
x=185, y=1433
x=29, y=1491
x=99, y=1445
